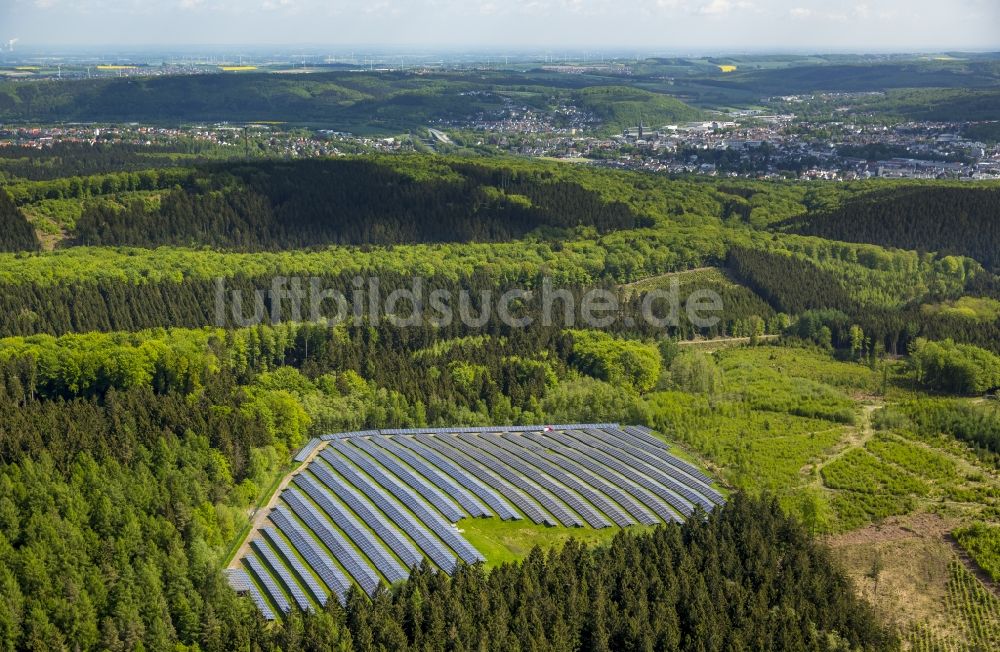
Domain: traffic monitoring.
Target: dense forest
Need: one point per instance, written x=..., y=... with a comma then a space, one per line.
x=947, y=219
x=68, y=160
x=387, y=102
x=138, y=428
x=314, y=203
x=128, y=461
x=16, y=234
x=583, y=228
x=747, y=578
x=853, y=77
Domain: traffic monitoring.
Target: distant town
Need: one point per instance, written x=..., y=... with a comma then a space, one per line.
x=810, y=137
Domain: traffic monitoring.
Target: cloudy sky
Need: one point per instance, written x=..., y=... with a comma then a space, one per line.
x=656, y=25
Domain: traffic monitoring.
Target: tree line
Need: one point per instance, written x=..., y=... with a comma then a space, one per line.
x=747, y=577
x=16, y=233
x=299, y=204
x=943, y=219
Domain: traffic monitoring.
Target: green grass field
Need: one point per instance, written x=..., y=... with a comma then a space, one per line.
x=505, y=541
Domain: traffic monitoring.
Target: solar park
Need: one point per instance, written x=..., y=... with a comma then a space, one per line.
x=372, y=505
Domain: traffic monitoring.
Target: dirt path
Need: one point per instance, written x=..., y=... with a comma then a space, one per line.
x=261, y=513
x=726, y=340
x=856, y=437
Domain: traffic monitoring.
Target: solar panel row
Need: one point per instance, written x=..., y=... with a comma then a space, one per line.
x=238, y=579
x=357, y=533
x=335, y=542
x=523, y=486
x=348, y=435
x=526, y=481
x=528, y=506
x=468, y=480
x=466, y=501
x=659, y=456
x=278, y=568
x=593, y=518
x=576, y=470
x=638, y=489
x=305, y=576
x=371, y=517
x=653, y=445
x=307, y=450
x=241, y=583
x=443, y=503
x=403, y=520
x=514, y=445
x=693, y=490
x=269, y=583
x=314, y=554
x=420, y=509
x=685, y=497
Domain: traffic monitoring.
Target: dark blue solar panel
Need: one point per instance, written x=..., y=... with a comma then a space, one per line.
x=278, y=567
x=682, y=492
x=430, y=545
x=296, y=564
x=307, y=450
x=663, y=452
x=241, y=583
x=269, y=583
x=572, y=500
x=357, y=533
x=342, y=551
x=639, y=512
x=441, y=502
x=314, y=554
x=508, y=490
x=467, y=501
x=514, y=444
x=373, y=518
x=420, y=509
x=503, y=469
x=632, y=483
x=693, y=490
x=464, y=478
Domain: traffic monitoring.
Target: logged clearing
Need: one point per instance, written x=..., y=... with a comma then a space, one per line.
x=907, y=567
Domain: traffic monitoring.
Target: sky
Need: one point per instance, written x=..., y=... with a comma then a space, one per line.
x=653, y=25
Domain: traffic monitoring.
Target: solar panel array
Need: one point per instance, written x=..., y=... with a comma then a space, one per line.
x=366, y=507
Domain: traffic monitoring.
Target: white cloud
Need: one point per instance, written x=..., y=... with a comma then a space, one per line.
x=725, y=7
x=716, y=7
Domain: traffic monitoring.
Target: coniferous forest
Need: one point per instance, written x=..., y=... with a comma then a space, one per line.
x=845, y=386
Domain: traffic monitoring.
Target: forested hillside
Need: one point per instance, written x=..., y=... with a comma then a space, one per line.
x=153, y=445
x=687, y=588
x=861, y=77
x=620, y=107
x=389, y=102
x=947, y=220
x=16, y=234
x=139, y=431
x=314, y=203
